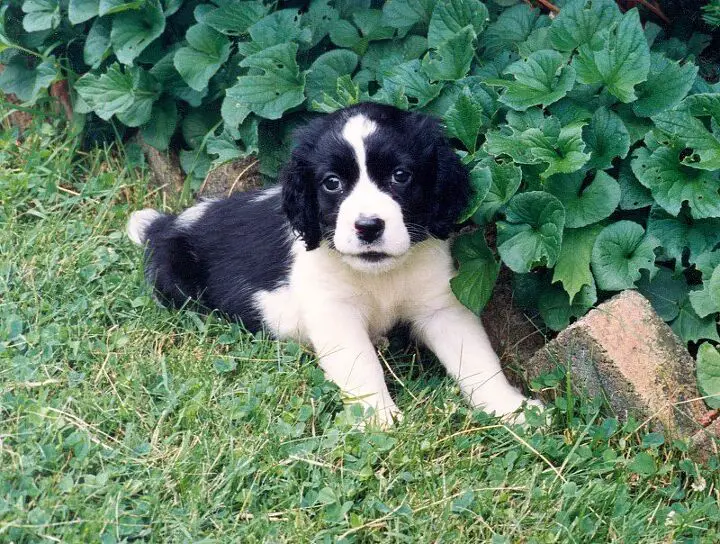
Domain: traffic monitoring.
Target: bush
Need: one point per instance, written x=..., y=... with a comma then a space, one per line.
x=593, y=142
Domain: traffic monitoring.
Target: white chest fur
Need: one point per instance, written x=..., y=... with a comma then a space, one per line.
x=321, y=280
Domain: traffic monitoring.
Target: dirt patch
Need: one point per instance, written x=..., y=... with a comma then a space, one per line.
x=233, y=177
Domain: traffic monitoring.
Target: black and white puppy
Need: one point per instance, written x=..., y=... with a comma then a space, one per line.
x=355, y=242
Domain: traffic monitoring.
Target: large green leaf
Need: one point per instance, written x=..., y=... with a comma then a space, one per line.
x=580, y=22
x=557, y=310
x=410, y=79
x=667, y=84
x=132, y=31
x=676, y=234
x=97, y=43
x=465, y=119
x=704, y=147
x=506, y=178
x=563, y=151
x=129, y=93
x=480, y=181
x=206, y=52
x=672, y=183
x=280, y=27
x=573, y=265
x=382, y=56
x=278, y=86
x=474, y=282
x=224, y=148
x=109, y=7
x=633, y=194
x=531, y=235
x=40, y=15
x=25, y=80
x=585, y=203
x=451, y=16
x=621, y=250
x=80, y=11
x=164, y=71
x=512, y=27
x=606, y=138
x=451, y=60
x=318, y=18
x=637, y=127
x=706, y=301
x=703, y=105
x=347, y=93
x=542, y=141
x=621, y=62
x=692, y=328
x=708, y=374
x=322, y=77
x=163, y=121
x=233, y=18
x=667, y=292
x=544, y=77
x=406, y=13
x=369, y=27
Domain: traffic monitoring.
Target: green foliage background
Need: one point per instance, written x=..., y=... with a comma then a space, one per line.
x=593, y=140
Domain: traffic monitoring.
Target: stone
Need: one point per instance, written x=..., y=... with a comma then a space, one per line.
x=625, y=352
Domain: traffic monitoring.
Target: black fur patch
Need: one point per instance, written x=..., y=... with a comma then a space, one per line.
x=238, y=247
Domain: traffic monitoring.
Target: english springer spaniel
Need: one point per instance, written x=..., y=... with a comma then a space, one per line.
x=353, y=242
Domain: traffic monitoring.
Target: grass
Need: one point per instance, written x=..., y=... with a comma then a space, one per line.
x=122, y=421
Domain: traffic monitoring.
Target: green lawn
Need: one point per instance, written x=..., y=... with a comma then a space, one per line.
x=122, y=421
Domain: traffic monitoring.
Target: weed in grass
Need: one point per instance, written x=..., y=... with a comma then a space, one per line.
x=122, y=421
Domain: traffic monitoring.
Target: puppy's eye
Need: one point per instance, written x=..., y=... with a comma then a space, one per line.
x=401, y=176
x=332, y=184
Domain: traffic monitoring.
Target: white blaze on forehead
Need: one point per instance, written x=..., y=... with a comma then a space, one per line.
x=356, y=129
x=366, y=199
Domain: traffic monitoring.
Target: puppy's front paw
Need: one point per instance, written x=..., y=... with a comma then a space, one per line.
x=519, y=416
x=361, y=416
x=511, y=411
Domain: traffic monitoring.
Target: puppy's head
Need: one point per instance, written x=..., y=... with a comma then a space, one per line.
x=372, y=180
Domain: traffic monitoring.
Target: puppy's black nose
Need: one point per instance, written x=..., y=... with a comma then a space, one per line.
x=369, y=229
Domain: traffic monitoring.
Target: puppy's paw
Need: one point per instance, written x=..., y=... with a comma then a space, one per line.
x=511, y=410
x=362, y=416
x=518, y=417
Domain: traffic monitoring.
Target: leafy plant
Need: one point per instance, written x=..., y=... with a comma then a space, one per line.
x=594, y=142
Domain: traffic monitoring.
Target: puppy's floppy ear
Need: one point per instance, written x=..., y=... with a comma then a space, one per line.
x=300, y=202
x=452, y=189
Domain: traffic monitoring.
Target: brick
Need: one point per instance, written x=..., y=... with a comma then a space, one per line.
x=623, y=351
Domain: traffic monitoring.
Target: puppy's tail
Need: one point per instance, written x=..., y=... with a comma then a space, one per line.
x=139, y=223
